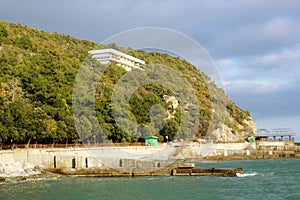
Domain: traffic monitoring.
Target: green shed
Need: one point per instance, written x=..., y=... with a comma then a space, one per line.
x=151, y=140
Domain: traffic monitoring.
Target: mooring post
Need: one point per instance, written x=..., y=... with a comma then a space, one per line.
x=212, y=171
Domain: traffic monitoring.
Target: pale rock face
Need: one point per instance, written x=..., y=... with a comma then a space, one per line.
x=223, y=134
x=226, y=135
x=171, y=99
x=251, y=124
x=171, y=112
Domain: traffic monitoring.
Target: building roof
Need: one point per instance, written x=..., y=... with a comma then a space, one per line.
x=113, y=51
x=151, y=137
x=275, y=135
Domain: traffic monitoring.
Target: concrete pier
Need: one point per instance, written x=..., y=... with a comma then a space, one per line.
x=184, y=169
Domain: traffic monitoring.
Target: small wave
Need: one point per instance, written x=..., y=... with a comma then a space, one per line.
x=18, y=170
x=245, y=175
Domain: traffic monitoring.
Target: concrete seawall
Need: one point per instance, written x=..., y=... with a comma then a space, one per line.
x=21, y=162
x=241, y=151
x=138, y=158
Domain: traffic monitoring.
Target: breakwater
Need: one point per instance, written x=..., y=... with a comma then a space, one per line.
x=137, y=159
x=175, y=169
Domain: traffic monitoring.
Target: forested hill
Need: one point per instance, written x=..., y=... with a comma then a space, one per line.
x=37, y=73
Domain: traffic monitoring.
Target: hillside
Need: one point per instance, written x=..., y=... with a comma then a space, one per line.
x=37, y=74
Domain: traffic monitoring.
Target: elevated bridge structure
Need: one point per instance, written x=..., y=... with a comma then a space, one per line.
x=279, y=134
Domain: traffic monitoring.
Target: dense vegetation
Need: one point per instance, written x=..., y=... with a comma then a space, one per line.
x=37, y=73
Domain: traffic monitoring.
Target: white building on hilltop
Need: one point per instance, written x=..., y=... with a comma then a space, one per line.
x=106, y=56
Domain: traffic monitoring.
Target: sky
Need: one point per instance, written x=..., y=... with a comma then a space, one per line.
x=255, y=44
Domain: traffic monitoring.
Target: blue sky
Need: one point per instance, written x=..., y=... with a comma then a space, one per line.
x=255, y=44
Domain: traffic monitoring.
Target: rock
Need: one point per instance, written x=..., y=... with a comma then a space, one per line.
x=225, y=134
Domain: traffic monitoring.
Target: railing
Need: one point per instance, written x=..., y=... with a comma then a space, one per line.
x=41, y=146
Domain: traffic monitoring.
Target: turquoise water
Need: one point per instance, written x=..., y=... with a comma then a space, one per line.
x=263, y=179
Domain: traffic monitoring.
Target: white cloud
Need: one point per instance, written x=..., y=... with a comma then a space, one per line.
x=272, y=72
x=288, y=57
x=255, y=86
x=225, y=63
x=280, y=29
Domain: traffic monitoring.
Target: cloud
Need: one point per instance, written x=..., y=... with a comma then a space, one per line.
x=255, y=87
x=287, y=57
x=267, y=84
x=238, y=28
x=254, y=39
x=266, y=73
x=287, y=29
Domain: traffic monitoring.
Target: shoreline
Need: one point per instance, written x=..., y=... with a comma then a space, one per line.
x=49, y=174
x=103, y=172
x=140, y=159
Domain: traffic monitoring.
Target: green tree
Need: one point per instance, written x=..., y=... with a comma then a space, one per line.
x=170, y=129
x=38, y=71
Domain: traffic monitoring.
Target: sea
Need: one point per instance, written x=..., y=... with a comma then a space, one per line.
x=262, y=179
